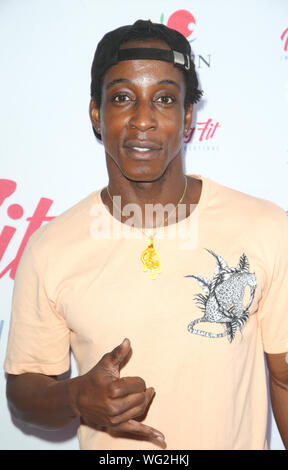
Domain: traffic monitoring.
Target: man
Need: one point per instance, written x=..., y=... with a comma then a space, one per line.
x=199, y=290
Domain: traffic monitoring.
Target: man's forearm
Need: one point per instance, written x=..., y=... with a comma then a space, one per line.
x=279, y=400
x=41, y=400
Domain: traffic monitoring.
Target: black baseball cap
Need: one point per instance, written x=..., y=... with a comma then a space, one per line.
x=108, y=53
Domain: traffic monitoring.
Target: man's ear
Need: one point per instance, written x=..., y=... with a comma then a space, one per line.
x=95, y=116
x=188, y=117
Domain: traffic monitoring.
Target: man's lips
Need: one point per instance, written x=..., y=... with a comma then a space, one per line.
x=143, y=149
x=143, y=144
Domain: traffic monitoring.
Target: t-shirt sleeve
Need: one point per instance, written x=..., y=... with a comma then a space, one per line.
x=39, y=339
x=273, y=314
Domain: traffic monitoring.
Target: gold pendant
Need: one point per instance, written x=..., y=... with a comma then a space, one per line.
x=150, y=259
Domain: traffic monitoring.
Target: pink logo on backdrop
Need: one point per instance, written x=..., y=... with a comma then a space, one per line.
x=284, y=38
x=182, y=21
x=204, y=130
x=16, y=212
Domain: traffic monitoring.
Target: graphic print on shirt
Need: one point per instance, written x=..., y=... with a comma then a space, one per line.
x=223, y=299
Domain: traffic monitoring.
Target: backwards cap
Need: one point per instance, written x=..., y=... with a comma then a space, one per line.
x=108, y=53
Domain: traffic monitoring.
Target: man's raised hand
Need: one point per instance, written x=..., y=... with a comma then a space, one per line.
x=112, y=403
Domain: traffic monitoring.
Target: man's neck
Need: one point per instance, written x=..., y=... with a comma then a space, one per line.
x=164, y=194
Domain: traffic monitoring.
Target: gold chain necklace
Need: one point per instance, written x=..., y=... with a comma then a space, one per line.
x=150, y=256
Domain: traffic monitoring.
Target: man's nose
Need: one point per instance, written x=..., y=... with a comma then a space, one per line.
x=143, y=116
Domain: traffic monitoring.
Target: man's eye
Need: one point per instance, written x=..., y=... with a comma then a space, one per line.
x=120, y=98
x=166, y=99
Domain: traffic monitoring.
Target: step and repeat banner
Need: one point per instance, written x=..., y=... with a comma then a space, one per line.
x=50, y=158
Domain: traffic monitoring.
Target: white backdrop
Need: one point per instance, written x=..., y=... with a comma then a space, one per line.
x=49, y=154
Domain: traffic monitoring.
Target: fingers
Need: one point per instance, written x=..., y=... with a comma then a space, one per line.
x=132, y=406
x=125, y=386
x=123, y=400
x=115, y=359
x=118, y=355
x=135, y=429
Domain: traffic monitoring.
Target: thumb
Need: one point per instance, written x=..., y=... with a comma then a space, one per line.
x=118, y=356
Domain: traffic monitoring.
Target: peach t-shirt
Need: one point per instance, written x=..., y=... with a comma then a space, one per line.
x=80, y=284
